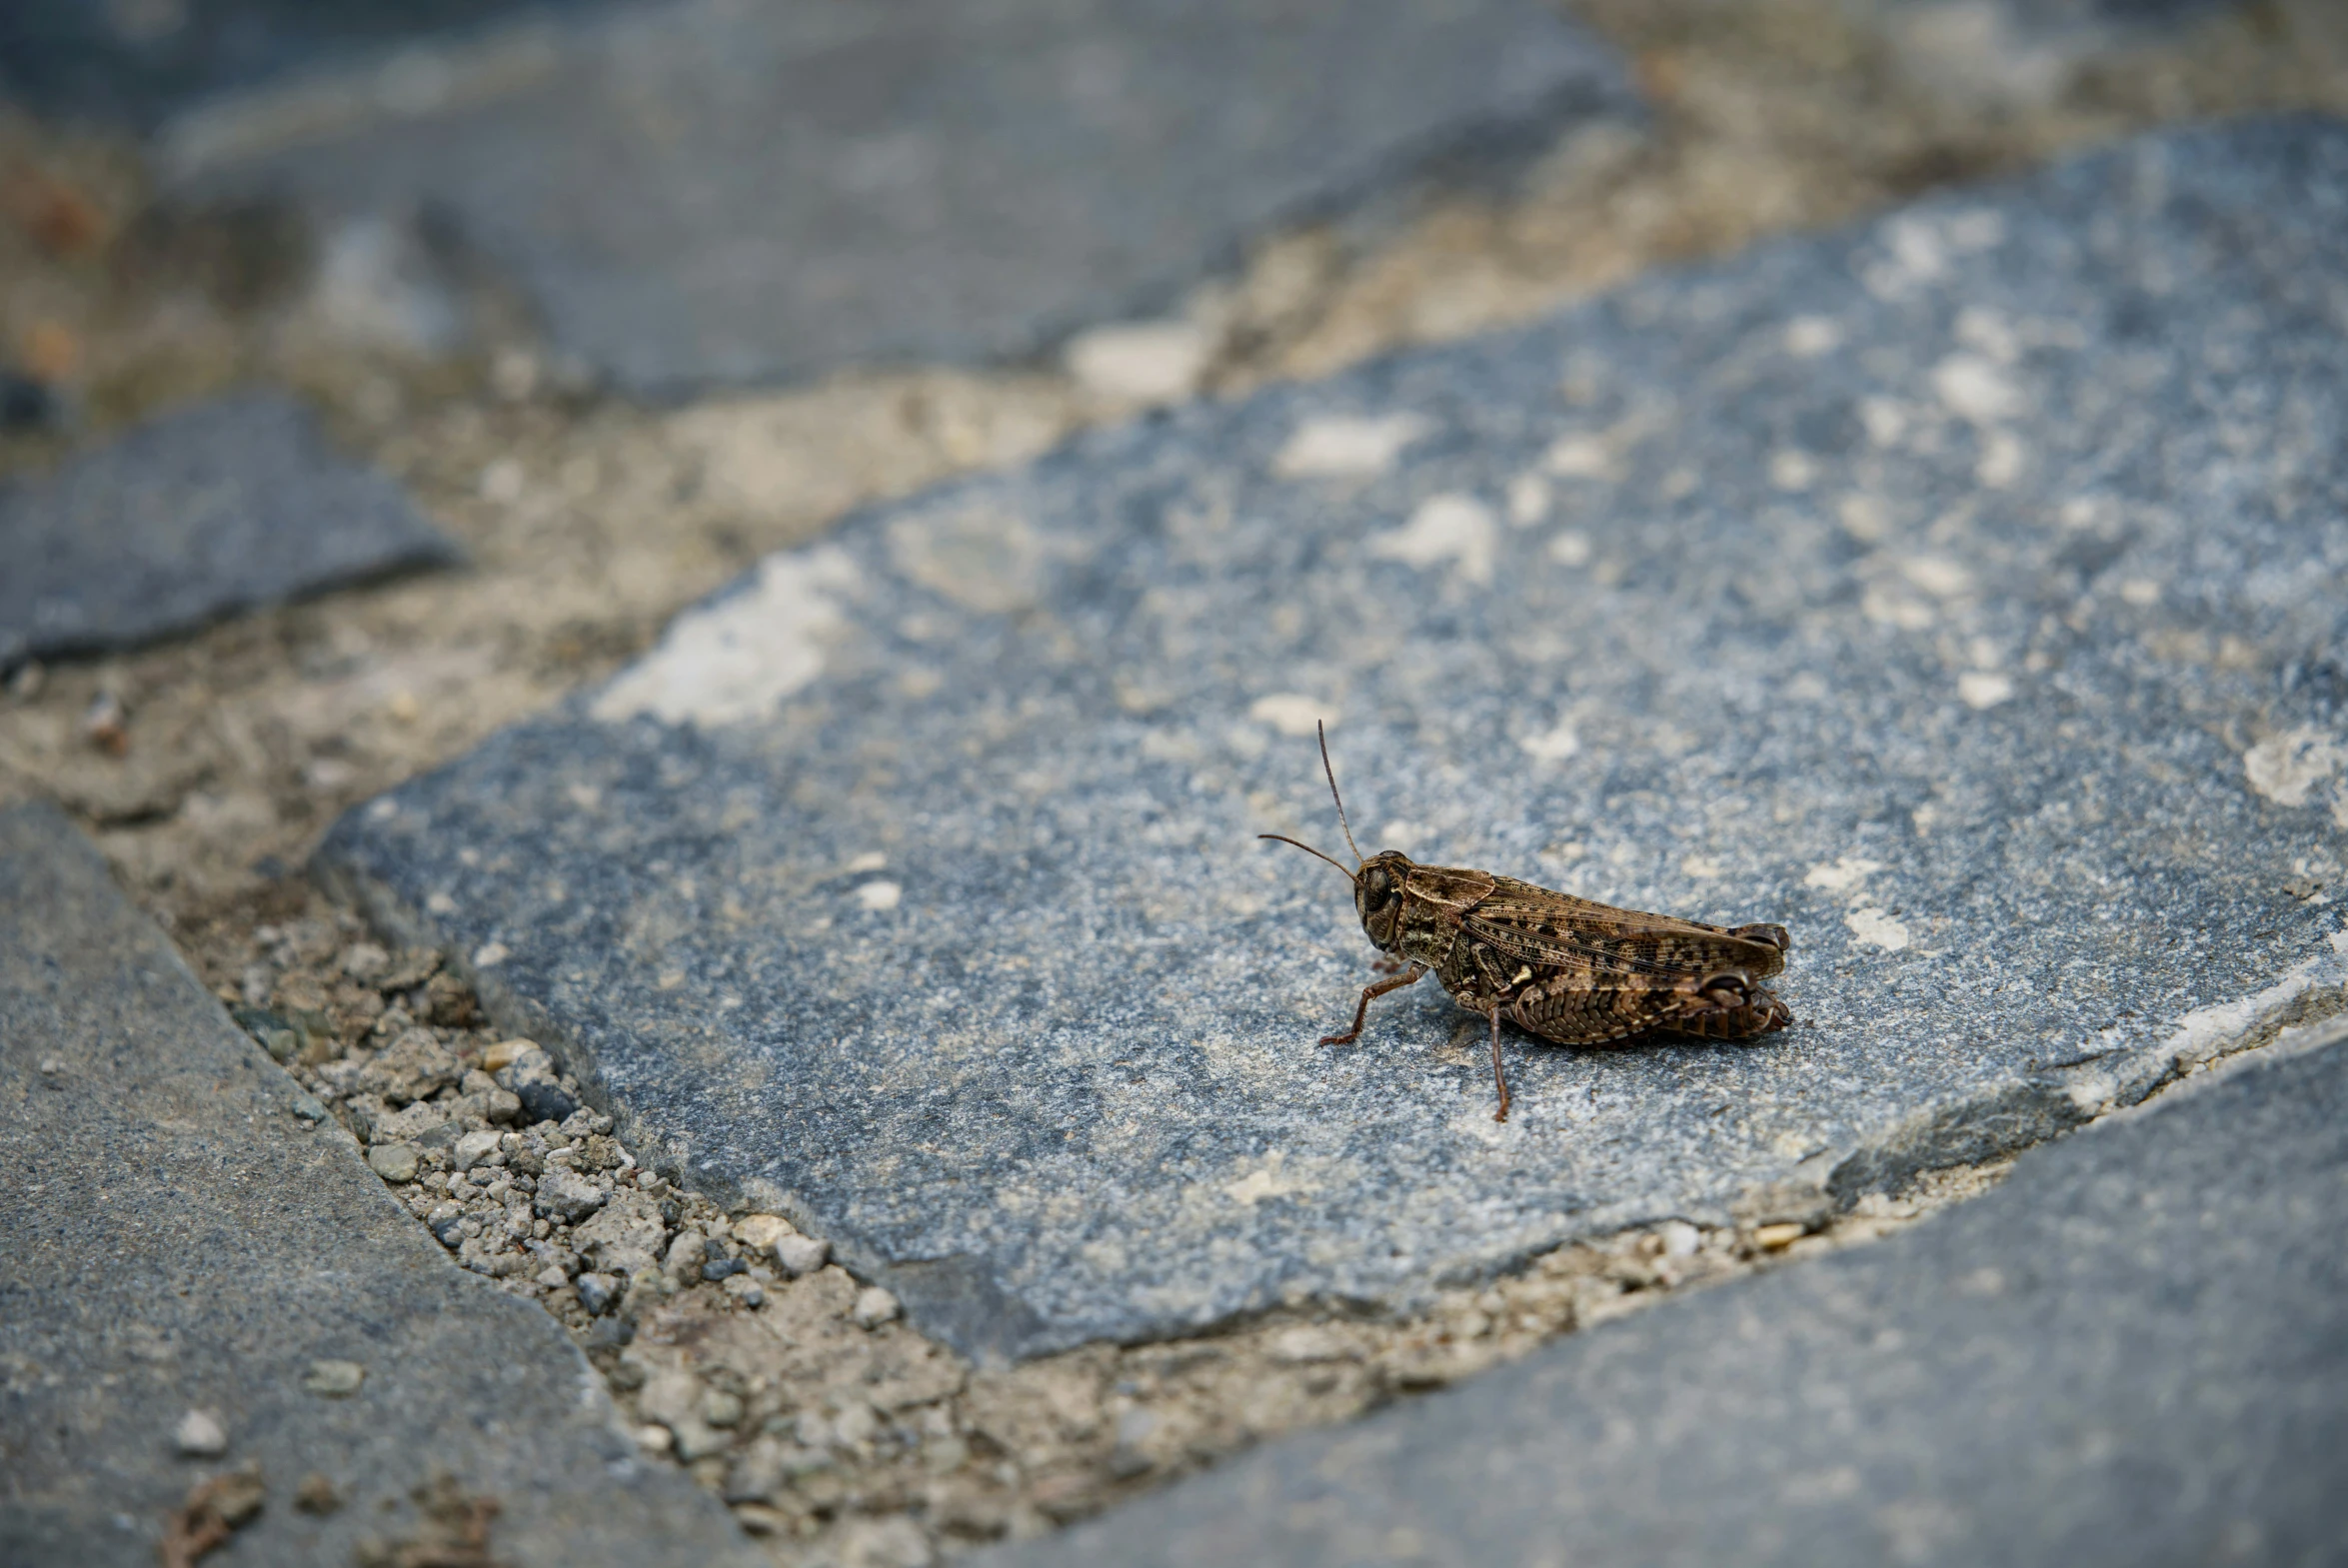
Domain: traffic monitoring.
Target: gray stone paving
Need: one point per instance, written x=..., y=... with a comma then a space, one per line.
x=2135, y=1353
x=711, y=192
x=209, y=509
x=186, y=1230
x=1956, y=591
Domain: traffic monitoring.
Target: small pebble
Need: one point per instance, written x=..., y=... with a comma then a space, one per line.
x=472, y=1148
x=566, y=1196
x=654, y=1438
x=545, y=1103
x=1776, y=1238
x=393, y=1162
x=874, y=1306
x=724, y=1268
x=599, y=1294
x=316, y=1495
x=200, y=1436
x=53, y=1072
x=796, y=1255
x=334, y=1379
x=106, y=726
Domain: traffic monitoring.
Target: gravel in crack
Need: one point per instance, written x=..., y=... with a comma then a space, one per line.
x=737, y=1352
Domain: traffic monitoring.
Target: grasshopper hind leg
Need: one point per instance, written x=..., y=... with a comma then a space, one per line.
x=1500, y=1076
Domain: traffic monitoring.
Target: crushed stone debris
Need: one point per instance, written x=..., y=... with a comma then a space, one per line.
x=798, y=1395
x=215, y=1509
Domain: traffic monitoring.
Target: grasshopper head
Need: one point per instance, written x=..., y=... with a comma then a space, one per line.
x=1377, y=896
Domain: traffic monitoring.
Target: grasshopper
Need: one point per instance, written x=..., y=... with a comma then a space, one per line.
x=1561, y=968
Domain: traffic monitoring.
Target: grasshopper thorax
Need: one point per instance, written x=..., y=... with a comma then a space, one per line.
x=1377, y=896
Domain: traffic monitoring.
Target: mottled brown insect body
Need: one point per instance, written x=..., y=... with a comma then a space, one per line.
x=1561, y=968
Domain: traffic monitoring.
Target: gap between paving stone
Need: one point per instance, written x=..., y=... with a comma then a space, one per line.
x=202, y=1288
x=1775, y=581
x=852, y=1438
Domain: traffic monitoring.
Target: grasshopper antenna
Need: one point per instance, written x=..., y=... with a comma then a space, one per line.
x=1322, y=731
x=1309, y=850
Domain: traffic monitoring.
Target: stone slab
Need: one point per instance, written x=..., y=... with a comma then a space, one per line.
x=704, y=191
x=2134, y=1352
x=220, y=506
x=1957, y=590
x=186, y=1230
x=140, y=63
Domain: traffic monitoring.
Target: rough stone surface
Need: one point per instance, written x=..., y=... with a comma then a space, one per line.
x=2134, y=1352
x=138, y=63
x=215, y=508
x=708, y=191
x=176, y=1237
x=1957, y=590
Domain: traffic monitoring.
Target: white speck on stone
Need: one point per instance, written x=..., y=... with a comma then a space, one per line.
x=490, y=954
x=873, y=898
x=1291, y=712
x=1885, y=417
x=1400, y=834
x=1937, y=574
x=1808, y=337
x=869, y=860
x=1349, y=446
x=1571, y=549
x=383, y=810
x=874, y=1306
x=1876, y=928
x=1792, y=470
x=2002, y=457
x=1703, y=869
x=1680, y=1239
x=1552, y=744
x=2141, y=592
x=334, y=1379
x=1266, y=1182
x=1974, y=388
x=2286, y=768
x=1984, y=688
x=1529, y=499
x=1887, y=607
x=200, y=1436
x=731, y=661
x=440, y=904
x=1453, y=527
x=1579, y=456
x=1844, y=875
x=1141, y=361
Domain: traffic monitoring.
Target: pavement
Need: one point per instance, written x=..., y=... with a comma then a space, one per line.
x=909, y=886
x=835, y=1083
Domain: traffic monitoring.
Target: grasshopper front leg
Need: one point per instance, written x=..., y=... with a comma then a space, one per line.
x=1409, y=977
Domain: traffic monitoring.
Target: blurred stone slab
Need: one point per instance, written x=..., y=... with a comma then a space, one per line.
x=187, y=1230
x=2135, y=1351
x=1955, y=590
x=214, y=508
x=137, y=62
x=704, y=191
